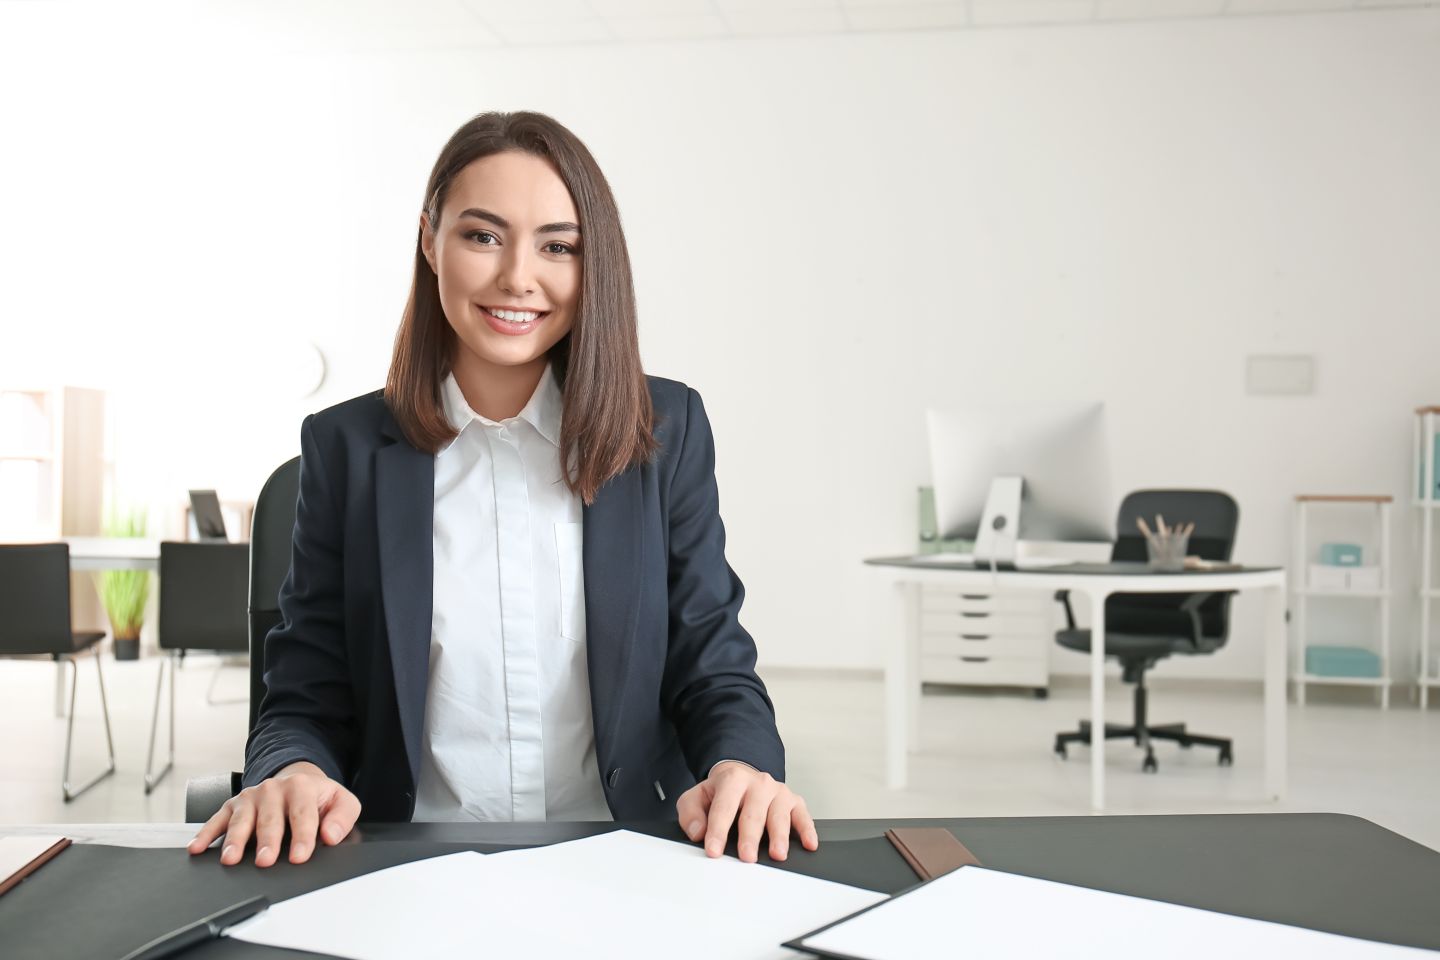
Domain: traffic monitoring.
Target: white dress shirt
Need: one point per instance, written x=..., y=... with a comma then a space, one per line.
x=508, y=728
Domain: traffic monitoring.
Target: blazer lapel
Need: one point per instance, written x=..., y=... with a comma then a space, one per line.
x=613, y=528
x=405, y=517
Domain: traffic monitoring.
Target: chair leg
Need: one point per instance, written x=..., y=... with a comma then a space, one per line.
x=210, y=690
x=151, y=779
x=67, y=791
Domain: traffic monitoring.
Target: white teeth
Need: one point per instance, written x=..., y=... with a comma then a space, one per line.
x=514, y=316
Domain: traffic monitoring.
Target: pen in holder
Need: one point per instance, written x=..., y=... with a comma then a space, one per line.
x=1165, y=546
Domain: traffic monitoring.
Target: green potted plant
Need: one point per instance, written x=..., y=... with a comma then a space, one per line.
x=125, y=592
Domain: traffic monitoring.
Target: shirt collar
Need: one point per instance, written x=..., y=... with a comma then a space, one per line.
x=543, y=411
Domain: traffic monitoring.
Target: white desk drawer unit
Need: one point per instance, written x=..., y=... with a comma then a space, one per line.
x=986, y=639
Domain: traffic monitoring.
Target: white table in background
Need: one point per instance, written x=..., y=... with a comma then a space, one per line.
x=1097, y=582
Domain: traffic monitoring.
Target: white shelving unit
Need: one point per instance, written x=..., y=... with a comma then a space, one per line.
x=52, y=476
x=1304, y=591
x=1427, y=503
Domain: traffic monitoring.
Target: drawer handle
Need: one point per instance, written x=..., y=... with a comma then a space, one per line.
x=974, y=636
x=974, y=596
x=975, y=659
x=974, y=616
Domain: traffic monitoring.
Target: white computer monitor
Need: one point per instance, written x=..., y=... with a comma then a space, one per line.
x=1006, y=474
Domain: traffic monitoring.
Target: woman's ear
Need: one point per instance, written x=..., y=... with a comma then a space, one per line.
x=427, y=241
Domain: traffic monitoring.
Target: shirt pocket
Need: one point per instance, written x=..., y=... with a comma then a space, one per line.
x=572, y=580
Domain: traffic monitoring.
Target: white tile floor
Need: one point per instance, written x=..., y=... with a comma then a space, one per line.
x=980, y=753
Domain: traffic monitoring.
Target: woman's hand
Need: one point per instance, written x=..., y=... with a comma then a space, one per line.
x=764, y=805
x=300, y=794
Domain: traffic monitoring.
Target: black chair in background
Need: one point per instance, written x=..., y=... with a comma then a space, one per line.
x=202, y=607
x=271, y=531
x=1143, y=629
x=35, y=620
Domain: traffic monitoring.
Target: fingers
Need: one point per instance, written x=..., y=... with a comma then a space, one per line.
x=723, y=808
x=237, y=834
x=693, y=810
x=341, y=812
x=777, y=824
x=805, y=825
x=753, y=812
x=270, y=801
x=211, y=829
x=303, y=809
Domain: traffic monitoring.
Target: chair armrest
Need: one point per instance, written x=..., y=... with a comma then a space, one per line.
x=205, y=795
x=1191, y=606
x=1063, y=596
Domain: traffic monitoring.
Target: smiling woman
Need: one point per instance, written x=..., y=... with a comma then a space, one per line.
x=501, y=232
x=508, y=596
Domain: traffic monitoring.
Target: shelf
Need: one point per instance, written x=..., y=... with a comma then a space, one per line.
x=36, y=457
x=1347, y=681
x=1356, y=594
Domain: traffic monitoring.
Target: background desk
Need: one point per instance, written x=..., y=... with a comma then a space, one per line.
x=1329, y=872
x=1097, y=581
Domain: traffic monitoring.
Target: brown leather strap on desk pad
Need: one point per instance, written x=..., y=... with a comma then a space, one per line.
x=14, y=879
x=930, y=851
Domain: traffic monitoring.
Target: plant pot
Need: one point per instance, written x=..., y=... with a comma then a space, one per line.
x=127, y=648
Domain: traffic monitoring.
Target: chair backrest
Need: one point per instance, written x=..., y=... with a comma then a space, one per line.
x=202, y=596
x=271, y=533
x=35, y=598
x=1216, y=516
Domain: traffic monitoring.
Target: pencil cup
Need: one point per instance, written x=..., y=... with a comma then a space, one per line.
x=1167, y=550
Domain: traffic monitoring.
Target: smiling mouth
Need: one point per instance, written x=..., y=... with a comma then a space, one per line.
x=517, y=318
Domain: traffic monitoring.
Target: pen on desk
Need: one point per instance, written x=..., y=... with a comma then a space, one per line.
x=198, y=932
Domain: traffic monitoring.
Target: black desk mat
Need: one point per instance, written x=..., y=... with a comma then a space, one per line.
x=99, y=901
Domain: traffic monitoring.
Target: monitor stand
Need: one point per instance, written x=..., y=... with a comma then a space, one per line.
x=999, y=534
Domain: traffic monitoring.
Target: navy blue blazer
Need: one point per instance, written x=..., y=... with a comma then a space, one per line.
x=672, y=673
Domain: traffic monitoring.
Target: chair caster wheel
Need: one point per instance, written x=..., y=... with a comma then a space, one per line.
x=1225, y=759
x=1060, y=752
x=1186, y=744
x=1149, y=766
x=1042, y=693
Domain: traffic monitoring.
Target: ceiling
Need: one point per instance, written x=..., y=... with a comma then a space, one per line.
x=512, y=23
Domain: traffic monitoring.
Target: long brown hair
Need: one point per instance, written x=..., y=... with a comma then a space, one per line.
x=608, y=421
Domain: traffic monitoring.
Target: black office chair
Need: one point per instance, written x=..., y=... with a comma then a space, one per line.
x=202, y=607
x=271, y=531
x=35, y=619
x=1143, y=629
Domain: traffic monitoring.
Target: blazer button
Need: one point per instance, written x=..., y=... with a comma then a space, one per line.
x=614, y=777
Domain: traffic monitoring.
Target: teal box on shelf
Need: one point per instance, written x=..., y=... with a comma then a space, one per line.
x=1340, y=554
x=1341, y=662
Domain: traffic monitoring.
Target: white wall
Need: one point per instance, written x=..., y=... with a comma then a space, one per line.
x=828, y=233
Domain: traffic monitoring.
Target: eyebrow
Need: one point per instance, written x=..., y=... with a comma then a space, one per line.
x=562, y=226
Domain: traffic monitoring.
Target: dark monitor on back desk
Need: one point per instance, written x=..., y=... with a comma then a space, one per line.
x=209, y=521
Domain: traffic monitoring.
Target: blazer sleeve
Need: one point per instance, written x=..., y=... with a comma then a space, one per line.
x=308, y=710
x=710, y=691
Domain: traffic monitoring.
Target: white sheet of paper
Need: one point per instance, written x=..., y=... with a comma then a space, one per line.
x=17, y=852
x=993, y=914
x=620, y=895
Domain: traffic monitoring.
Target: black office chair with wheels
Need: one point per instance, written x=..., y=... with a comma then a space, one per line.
x=271, y=531
x=202, y=607
x=1143, y=629
x=35, y=620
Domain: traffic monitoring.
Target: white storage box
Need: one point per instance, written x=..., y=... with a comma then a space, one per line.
x=1324, y=577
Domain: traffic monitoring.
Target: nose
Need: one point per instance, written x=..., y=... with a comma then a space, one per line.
x=516, y=275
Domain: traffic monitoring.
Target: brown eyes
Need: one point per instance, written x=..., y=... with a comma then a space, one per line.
x=487, y=239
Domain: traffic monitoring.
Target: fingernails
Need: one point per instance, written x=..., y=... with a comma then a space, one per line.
x=228, y=853
x=298, y=851
x=693, y=830
x=782, y=852
x=332, y=833
x=748, y=853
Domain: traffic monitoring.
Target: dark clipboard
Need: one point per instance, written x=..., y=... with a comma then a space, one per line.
x=48, y=854
x=799, y=942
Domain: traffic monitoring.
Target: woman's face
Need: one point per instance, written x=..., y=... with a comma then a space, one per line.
x=507, y=255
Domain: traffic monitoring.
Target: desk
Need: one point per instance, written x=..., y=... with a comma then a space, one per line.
x=1097, y=581
x=1329, y=872
x=113, y=553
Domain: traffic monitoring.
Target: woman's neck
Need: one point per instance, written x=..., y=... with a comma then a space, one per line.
x=495, y=391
